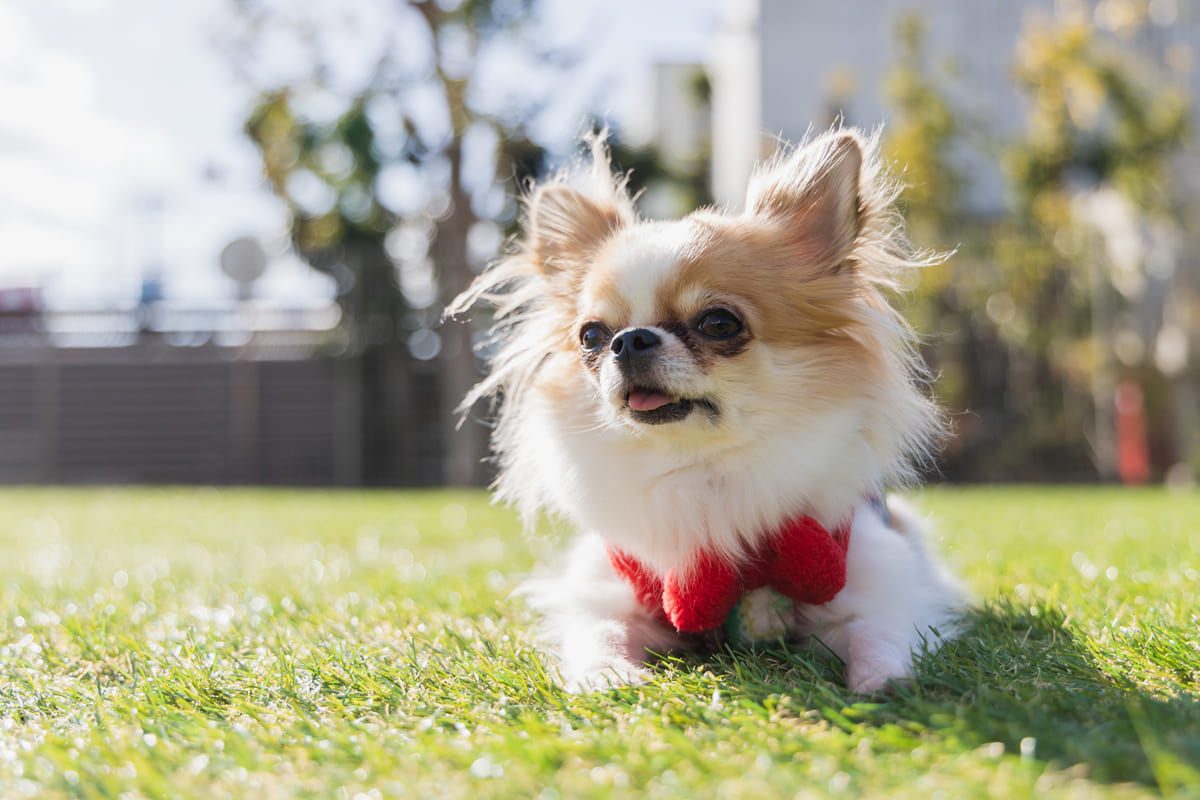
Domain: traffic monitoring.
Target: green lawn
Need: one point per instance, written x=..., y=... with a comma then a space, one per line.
x=213, y=643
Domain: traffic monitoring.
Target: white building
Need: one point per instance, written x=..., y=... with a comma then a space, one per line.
x=781, y=66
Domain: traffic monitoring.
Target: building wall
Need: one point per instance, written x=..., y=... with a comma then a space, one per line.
x=737, y=113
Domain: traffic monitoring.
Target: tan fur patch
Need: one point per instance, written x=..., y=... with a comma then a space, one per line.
x=752, y=265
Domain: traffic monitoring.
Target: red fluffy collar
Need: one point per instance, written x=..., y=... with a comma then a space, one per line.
x=801, y=560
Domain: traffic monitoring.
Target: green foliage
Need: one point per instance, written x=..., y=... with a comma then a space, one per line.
x=1022, y=315
x=340, y=153
x=375, y=170
x=919, y=139
x=1098, y=116
x=921, y=134
x=1101, y=121
x=340, y=158
x=216, y=643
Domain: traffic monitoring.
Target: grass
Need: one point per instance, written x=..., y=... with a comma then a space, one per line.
x=242, y=643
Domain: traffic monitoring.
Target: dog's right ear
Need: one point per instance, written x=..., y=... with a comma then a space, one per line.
x=566, y=226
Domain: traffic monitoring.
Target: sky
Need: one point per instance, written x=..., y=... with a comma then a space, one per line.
x=121, y=152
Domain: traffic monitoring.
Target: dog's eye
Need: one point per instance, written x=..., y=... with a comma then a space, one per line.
x=719, y=324
x=593, y=335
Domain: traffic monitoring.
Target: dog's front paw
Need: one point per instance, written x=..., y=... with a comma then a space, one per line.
x=599, y=678
x=876, y=663
x=863, y=679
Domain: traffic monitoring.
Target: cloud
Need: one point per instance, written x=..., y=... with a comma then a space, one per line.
x=66, y=166
x=121, y=154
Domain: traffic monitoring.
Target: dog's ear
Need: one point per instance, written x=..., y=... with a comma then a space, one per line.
x=567, y=225
x=814, y=195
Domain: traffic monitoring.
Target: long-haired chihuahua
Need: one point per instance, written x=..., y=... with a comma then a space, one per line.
x=718, y=404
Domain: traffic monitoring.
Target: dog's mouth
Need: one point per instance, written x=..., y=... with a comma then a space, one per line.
x=656, y=407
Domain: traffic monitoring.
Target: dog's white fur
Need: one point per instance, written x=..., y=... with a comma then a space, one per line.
x=812, y=420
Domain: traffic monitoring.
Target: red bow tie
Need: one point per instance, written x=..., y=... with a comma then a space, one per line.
x=802, y=560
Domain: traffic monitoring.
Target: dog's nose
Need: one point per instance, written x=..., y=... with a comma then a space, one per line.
x=631, y=343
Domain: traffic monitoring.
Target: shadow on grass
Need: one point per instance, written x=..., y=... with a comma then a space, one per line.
x=1012, y=677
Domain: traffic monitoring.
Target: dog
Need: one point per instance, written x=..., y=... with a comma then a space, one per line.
x=717, y=404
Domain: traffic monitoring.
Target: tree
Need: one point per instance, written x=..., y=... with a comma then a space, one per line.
x=1029, y=310
x=1093, y=182
x=372, y=160
x=963, y=349
x=922, y=131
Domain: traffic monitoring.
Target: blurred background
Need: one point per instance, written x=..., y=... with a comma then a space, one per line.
x=228, y=227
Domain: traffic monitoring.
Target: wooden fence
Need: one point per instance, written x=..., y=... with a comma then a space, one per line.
x=206, y=416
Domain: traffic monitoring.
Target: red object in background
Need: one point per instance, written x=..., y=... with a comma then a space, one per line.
x=1133, y=457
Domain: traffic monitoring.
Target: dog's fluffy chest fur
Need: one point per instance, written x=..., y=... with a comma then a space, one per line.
x=662, y=503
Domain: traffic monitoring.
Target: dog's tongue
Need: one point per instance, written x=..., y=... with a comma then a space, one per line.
x=647, y=399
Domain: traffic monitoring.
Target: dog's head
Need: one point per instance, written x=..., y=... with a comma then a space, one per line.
x=720, y=330
x=700, y=322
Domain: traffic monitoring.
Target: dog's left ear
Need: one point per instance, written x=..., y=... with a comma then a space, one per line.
x=814, y=195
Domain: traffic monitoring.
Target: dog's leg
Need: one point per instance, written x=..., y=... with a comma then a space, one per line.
x=898, y=601
x=877, y=655
x=593, y=623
